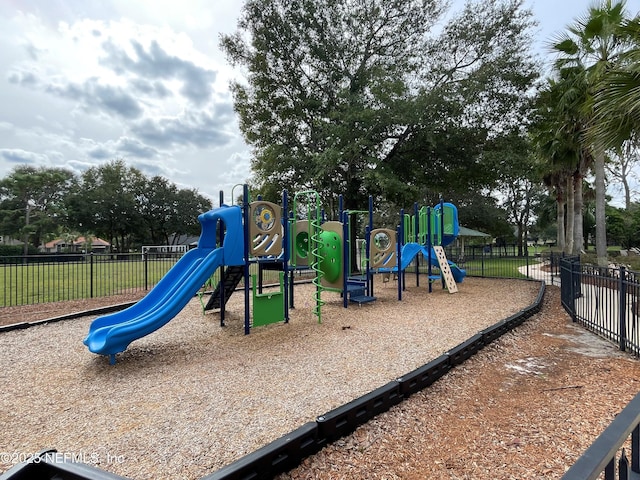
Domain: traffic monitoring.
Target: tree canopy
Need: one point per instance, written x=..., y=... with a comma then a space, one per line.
x=112, y=201
x=360, y=97
x=32, y=201
x=593, y=58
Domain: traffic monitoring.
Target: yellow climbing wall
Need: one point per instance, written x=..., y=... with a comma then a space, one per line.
x=445, y=269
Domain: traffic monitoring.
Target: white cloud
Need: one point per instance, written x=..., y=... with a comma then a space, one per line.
x=18, y=156
x=85, y=82
x=154, y=63
x=82, y=84
x=200, y=129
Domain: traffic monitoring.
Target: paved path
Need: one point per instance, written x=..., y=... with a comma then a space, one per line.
x=598, y=305
x=536, y=272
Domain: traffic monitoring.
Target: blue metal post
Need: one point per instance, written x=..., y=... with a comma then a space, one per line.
x=401, y=278
x=429, y=245
x=223, y=305
x=417, y=228
x=622, y=309
x=245, y=216
x=368, y=249
x=400, y=234
x=441, y=220
x=346, y=255
x=286, y=248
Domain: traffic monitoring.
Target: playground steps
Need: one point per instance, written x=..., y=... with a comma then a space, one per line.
x=232, y=276
x=356, y=288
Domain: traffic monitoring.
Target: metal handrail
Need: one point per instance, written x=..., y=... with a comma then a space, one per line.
x=601, y=455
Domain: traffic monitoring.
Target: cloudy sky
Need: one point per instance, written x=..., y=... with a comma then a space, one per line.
x=83, y=82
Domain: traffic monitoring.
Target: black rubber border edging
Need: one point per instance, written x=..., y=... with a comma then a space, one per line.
x=288, y=451
x=69, y=316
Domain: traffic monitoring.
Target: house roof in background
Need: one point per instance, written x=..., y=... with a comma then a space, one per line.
x=468, y=232
x=95, y=241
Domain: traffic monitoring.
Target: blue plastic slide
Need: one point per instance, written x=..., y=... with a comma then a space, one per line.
x=457, y=272
x=409, y=252
x=113, y=333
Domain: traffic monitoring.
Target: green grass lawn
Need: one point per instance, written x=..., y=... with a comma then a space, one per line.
x=33, y=283
x=54, y=282
x=490, y=267
x=497, y=267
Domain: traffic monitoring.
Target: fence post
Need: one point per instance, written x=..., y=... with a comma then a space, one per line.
x=610, y=470
x=623, y=466
x=91, y=275
x=145, y=259
x=622, y=309
x=572, y=277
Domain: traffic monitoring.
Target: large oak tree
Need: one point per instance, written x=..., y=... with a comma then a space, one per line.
x=356, y=97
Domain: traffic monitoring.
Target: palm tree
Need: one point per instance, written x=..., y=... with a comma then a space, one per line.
x=557, y=137
x=617, y=107
x=556, y=182
x=591, y=46
x=617, y=99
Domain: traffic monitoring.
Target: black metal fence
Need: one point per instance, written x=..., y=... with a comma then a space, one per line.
x=474, y=252
x=503, y=262
x=38, y=279
x=606, y=300
x=35, y=279
x=53, y=278
x=602, y=455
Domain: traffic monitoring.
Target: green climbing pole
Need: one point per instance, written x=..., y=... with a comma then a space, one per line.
x=310, y=201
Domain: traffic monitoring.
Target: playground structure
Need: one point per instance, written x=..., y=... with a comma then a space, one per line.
x=423, y=234
x=234, y=237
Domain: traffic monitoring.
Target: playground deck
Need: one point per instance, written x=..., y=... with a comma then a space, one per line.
x=193, y=397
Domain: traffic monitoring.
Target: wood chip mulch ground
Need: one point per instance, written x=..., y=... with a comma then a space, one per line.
x=525, y=407
x=193, y=397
